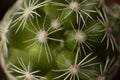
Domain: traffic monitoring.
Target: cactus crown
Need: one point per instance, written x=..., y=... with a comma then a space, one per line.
x=63, y=40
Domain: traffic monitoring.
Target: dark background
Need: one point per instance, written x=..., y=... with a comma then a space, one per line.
x=5, y=5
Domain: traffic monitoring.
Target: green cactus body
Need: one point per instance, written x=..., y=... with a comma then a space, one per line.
x=60, y=40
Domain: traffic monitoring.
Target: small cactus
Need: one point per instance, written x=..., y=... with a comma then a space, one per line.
x=59, y=40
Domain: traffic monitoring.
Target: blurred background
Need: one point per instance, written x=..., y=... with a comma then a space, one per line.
x=5, y=5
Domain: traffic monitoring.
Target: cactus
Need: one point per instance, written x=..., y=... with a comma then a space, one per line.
x=59, y=40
